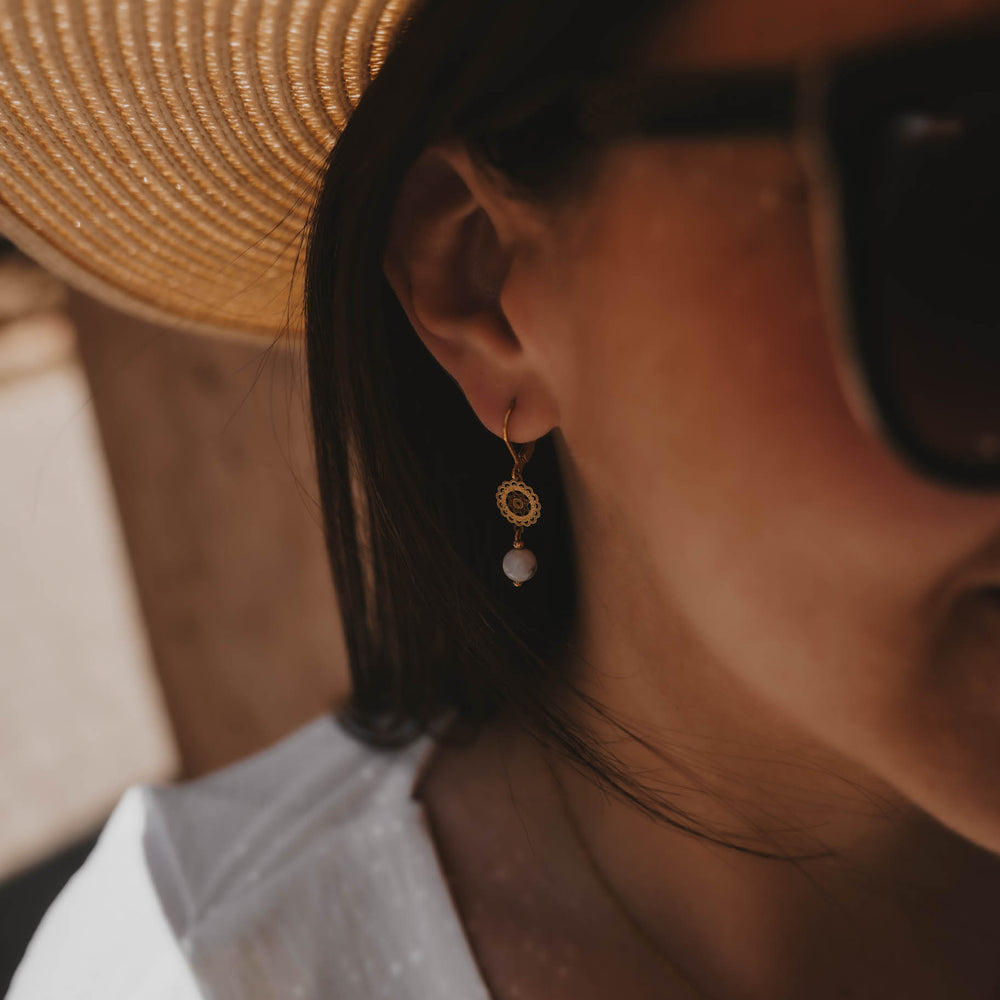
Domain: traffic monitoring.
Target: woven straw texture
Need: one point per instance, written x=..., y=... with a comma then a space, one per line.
x=163, y=155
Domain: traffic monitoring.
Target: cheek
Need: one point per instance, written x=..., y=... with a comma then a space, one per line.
x=703, y=414
x=720, y=425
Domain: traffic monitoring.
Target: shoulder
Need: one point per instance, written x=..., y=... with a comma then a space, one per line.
x=186, y=879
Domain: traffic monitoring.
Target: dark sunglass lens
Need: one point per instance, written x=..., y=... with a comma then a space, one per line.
x=937, y=233
x=916, y=141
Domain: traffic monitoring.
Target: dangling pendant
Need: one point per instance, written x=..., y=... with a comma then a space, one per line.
x=520, y=505
x=519, y=564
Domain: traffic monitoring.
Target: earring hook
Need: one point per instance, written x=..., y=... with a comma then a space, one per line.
x=520, y=458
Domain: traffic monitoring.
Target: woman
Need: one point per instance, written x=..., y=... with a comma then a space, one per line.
x=736, y=737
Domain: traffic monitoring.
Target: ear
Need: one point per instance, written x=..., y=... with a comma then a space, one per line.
x=452, y=240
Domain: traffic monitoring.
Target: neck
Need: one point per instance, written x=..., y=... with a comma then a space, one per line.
x=870, y=898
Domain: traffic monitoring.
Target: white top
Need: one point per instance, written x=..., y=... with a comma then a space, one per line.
x=304, y=872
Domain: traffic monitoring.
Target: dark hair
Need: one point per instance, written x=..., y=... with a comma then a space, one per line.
x=407, y=473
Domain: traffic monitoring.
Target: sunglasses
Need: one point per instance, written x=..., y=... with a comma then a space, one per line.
x=902, y=147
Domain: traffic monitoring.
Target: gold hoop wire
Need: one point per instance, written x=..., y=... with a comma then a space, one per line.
x=520, y=458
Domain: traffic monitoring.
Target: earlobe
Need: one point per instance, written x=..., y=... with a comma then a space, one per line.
x=447, y=257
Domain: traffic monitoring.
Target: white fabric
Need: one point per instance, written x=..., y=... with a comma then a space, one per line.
x=305, y=872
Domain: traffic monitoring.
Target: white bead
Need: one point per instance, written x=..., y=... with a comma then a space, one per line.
x=519, y=565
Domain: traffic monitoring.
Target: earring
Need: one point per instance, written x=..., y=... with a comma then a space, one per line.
x=519, y=503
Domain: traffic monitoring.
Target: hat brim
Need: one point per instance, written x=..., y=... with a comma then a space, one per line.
x=164, y=155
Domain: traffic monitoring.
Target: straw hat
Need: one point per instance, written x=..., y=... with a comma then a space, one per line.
x=163, y=155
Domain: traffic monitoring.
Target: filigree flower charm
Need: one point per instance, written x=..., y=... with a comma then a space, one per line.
x=519, y=503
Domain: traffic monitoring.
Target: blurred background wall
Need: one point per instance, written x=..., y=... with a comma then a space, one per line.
x=165, y=603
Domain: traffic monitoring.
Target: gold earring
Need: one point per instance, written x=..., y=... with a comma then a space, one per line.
x=519, y=503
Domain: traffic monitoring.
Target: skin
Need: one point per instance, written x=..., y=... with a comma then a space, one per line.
x=788, y=614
